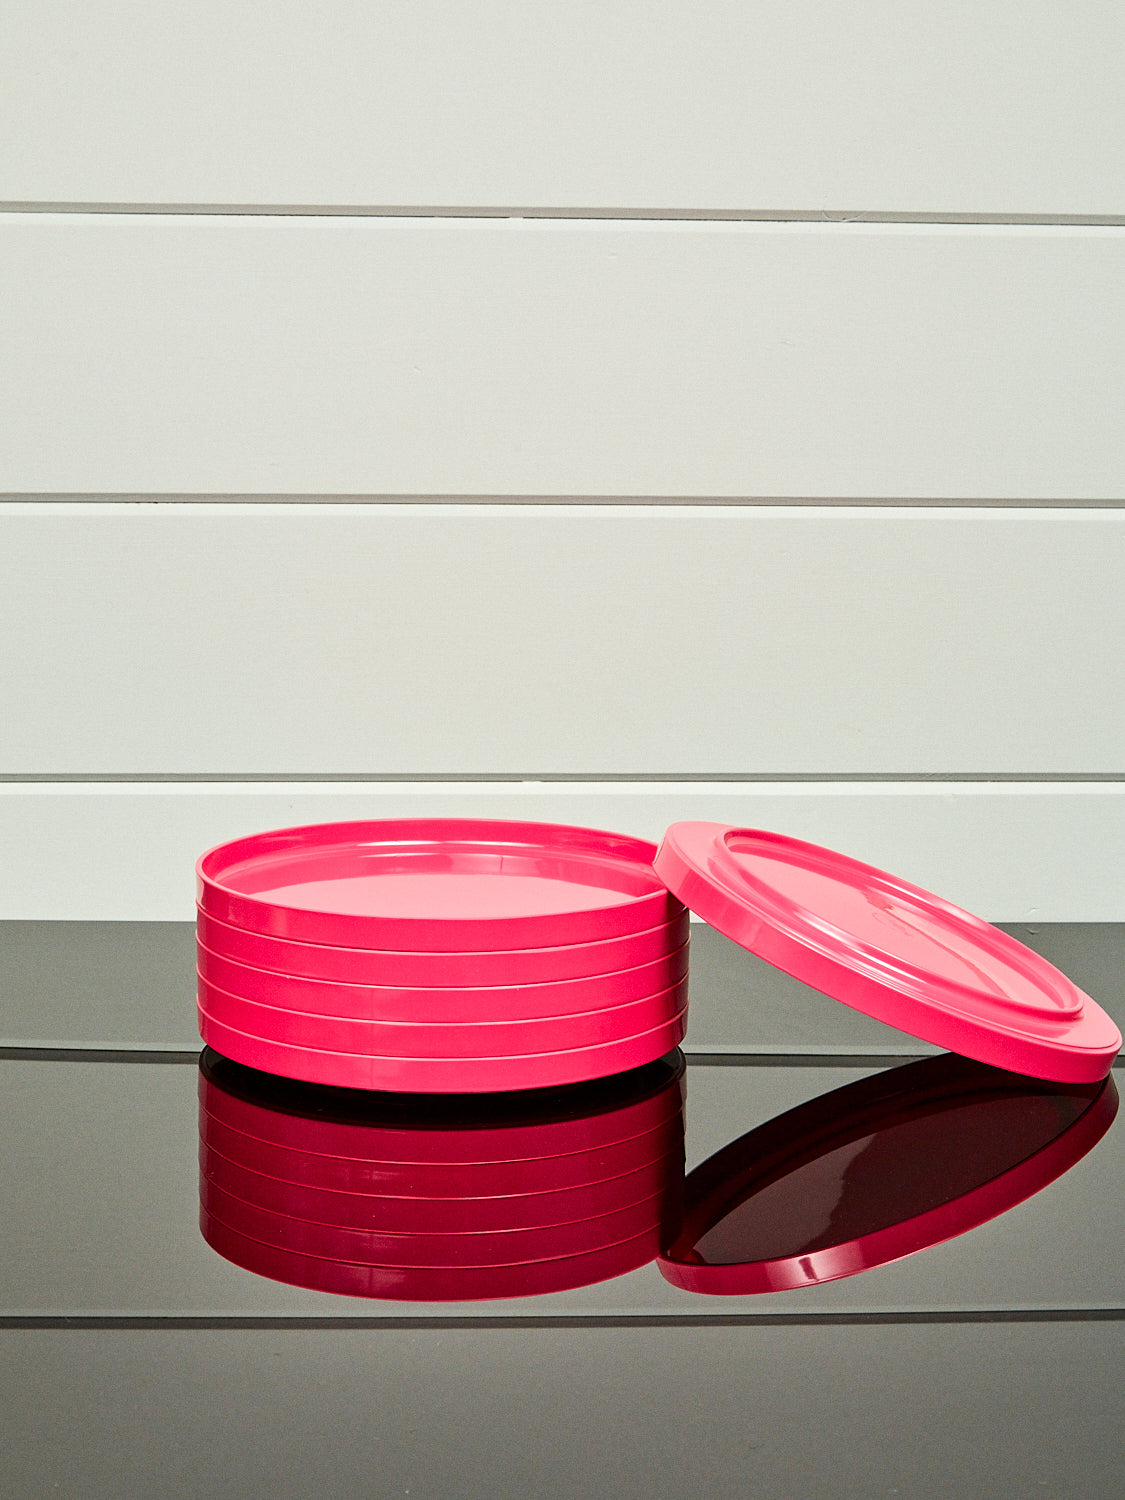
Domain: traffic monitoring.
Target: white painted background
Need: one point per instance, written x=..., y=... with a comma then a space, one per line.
x=669, y=493
x=248, y=354
x=919, y=106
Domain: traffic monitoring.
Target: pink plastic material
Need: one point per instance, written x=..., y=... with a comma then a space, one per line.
x=386, y=1213
x=889, y=949
x=367, y=1246
x=436, y=885
x=450, y=1182
x=877, y=1170
x=428, y=1284
x=442, y=1075
x=527, y=1002
x=504, y=967
x=465, y=1039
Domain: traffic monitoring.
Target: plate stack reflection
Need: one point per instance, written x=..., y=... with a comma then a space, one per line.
x=392, y=1196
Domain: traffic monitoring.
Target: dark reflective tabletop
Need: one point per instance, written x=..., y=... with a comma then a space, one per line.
x=166, y=1228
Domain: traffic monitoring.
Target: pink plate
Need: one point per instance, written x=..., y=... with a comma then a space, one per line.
x=428, y=1284
x=431, y=1007
x=465, y=1039
x=436, y=885
x=876, y=1170
x=444, y=1075
x=504, y=967
x=889, y=949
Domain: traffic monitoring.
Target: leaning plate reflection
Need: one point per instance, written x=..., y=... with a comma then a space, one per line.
x=875, y=1171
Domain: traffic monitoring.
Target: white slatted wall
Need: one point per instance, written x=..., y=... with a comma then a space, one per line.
x=607, y=413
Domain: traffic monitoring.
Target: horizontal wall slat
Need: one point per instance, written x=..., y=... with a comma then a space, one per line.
x=559, y=640
x=1016, y=853
x=194, y=354
x=872, y=105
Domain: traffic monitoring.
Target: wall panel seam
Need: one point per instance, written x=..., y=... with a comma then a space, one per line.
x=534, y=211
x=112, y=504
x=811, y=779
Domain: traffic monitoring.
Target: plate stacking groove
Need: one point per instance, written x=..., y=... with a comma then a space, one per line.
x=442, y=1040
x=468, y=970
x=445, y=1005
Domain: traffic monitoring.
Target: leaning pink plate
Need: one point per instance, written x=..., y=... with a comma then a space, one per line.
x=465, y=1039
x=527, y=1002
x=436, y=885
x=442, y=1075
x=890, y=949
x=433, y=970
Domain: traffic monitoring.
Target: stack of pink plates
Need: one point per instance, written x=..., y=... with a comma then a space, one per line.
x=440, y=955
x=385, y=1196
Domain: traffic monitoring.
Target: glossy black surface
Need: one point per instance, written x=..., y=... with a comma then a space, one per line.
x=138, y=1362
x=937, y=1412
x=99, y=1180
